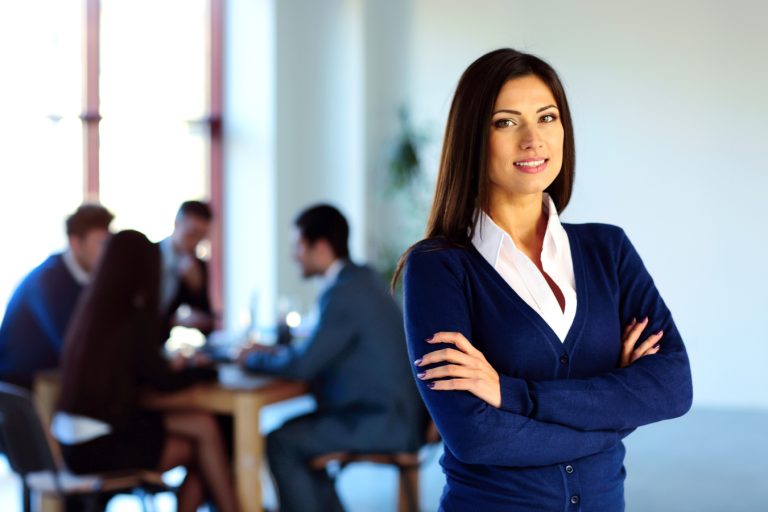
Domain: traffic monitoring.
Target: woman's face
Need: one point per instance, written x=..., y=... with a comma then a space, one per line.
x=525, y=147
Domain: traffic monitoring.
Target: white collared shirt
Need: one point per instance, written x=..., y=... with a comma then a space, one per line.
x=78, y=273
x=331, y=274
x=169, y=275
x=498, y=248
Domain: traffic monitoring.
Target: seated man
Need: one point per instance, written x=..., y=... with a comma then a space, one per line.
x=355, y=361
x=184, y=275
x=36, y=319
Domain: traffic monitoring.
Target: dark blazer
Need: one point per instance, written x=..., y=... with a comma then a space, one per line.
x=356, y=360
x=32, y=331
x=199, y=300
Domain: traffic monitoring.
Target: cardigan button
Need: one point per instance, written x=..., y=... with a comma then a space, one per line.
x=564, y=359
x=575, y=500
x=569, y=469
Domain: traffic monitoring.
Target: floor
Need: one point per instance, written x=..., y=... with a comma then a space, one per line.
x=707, y=461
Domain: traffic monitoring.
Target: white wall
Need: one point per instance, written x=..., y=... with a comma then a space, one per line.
x=669, y=109
x=250, y=233
x=318, y=124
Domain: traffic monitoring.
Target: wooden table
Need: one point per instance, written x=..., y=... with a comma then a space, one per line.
x=244, y=405
x=242, y=399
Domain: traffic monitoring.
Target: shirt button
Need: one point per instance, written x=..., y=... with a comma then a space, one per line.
x=569, y=469
x=564, y=359
x=574, y=499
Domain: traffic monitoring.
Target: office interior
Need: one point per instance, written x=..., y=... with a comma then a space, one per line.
x=263, y=107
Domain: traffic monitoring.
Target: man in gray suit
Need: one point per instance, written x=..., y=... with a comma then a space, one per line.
x=355, y=361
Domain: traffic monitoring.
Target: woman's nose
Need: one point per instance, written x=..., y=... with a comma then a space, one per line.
x=530, y=138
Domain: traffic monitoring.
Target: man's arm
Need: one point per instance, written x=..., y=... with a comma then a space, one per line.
x=334, y=333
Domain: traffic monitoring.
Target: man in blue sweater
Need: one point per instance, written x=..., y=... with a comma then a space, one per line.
x=36, y=319
x=355, y=361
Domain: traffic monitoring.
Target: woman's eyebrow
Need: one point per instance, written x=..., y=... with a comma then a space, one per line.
x=515, y=112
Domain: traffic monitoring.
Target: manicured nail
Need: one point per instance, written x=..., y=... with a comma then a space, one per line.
x=431, y=385
x=417, y=362
x=644, y=320
x=660, y=333
x=421, y=375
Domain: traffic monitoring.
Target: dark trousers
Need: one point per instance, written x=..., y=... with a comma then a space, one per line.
x=289, y=450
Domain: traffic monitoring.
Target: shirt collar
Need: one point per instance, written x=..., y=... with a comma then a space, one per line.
x=78, y=273
x=167, y=250
x=488, y=236
x=332, y=274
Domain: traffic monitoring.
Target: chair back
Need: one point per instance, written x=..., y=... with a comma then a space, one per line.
x=23, y=435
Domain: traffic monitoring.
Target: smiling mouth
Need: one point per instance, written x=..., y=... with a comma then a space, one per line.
x=532, y=166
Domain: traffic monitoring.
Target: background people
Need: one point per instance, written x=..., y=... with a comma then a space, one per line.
x=355, y=361
x=111, y=353
x=184, y=275
x=36, y=319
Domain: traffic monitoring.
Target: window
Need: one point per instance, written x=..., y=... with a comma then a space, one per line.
x=41, y=162
x=112, y=101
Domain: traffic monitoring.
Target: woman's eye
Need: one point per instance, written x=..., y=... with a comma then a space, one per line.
x=503, y=123
x=548, y=118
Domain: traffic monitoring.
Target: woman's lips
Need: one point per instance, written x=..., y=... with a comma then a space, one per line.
x=531, y=165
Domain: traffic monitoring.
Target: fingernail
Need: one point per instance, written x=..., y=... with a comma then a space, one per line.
x=421, y=375
x=431, y=385
x=645, y=319
x=657, y=345
x=660, y=333
x=417, y=362
x=634, y=320
x=429, y=339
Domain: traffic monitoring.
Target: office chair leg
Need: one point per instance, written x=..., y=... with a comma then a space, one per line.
x=26, y=498
x=408, y=497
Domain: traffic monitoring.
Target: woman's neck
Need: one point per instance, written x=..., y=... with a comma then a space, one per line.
x=522, y=217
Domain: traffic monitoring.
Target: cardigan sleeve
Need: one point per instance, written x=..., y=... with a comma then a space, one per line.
x=651, y=389
x=475, y=432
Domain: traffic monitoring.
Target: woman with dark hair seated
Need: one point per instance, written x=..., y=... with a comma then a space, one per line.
x=110, y=355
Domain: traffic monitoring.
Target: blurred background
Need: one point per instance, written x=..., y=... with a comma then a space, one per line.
x=265, y=106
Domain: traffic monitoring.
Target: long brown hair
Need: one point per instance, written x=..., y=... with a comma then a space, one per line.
x=126, y=280
x=462, y=181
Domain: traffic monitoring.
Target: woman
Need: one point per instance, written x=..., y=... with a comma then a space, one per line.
x=110, y=354
x=537, y=345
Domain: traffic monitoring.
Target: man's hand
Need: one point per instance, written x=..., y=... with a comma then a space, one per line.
x=191, y=273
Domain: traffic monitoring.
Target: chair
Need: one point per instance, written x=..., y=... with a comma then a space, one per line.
x=30, y=455
x=407, y=464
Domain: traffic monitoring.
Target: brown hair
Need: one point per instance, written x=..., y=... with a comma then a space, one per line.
x=462, y=181
x=125, y=285
x=326, y=222
x=86, y=218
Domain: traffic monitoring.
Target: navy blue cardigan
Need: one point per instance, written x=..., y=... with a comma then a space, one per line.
x=555, y=442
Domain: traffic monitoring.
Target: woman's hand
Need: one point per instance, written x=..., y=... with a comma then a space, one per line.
x=632, y=332
x=467, y=369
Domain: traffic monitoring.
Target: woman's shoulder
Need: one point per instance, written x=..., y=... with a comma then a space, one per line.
x=605, y=239
x=596, y=232
x=438, y=248
x=437, y=253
